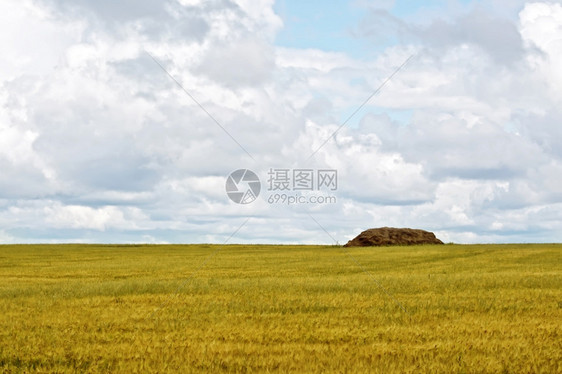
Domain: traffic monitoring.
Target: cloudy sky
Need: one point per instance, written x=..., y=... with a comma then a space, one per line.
x=98, y=143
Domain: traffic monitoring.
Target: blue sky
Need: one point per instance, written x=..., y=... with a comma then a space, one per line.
x=99, y=144
x=321, y=25
x=332, y=25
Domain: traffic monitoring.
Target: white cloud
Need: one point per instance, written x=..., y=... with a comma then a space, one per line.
x=32, y=40
x=239, y=63
x=541, y=27
x=83, y=217
x=97, y=143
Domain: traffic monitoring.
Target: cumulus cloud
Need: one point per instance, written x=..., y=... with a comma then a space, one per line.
x=497, y=37
x=97, y=143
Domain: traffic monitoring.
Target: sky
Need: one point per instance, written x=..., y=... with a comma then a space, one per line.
x=120, y=121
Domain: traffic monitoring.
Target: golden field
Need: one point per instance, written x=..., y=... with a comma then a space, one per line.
x=257, y=308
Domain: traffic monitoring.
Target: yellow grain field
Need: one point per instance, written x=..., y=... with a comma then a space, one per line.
x=301, y=309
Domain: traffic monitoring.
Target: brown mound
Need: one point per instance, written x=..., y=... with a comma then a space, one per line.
x=392, y=236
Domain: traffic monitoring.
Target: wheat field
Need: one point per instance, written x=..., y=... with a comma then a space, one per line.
x=257, y=308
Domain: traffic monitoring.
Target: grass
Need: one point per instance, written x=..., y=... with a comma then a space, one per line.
x=203, y=308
